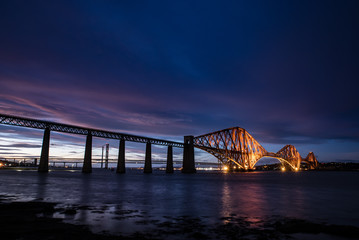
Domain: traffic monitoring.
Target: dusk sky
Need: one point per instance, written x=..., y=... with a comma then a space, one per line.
x=286, y=71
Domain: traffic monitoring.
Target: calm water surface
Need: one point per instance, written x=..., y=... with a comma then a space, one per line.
x=116, y=201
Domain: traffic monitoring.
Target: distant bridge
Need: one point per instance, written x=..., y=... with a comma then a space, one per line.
x=232, y=146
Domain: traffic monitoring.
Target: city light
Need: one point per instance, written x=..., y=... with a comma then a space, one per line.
x=225, y=168
x=283, y=169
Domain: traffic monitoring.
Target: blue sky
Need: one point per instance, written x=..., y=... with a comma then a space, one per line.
x=286, y=71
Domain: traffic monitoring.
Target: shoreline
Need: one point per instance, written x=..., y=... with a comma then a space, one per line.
x=35, y=220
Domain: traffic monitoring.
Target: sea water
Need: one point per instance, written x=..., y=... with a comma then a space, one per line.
x=116, y=202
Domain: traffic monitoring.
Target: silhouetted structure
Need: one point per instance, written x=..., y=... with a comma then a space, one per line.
x=188, y=155
x=121, y=167
x=89, y=132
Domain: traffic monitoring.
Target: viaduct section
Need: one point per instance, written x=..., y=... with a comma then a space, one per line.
x=188, y=148
x=233, y=147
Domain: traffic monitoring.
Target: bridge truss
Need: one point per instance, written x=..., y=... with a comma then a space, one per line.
x=236, y=147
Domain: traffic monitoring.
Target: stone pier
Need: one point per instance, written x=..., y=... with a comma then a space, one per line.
x=121, y=168
x=188, y=155
x=169, y=166
x=148, y=161
x=44, y=159
x=87, y=166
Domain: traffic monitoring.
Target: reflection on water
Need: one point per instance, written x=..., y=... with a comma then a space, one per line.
x=247, y=200
x=41, y=185
x=226, y=200
x=115, y=202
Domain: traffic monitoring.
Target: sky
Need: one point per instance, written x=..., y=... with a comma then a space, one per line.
x=286, y=71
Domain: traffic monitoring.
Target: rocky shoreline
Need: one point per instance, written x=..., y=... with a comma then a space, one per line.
x=34, y=220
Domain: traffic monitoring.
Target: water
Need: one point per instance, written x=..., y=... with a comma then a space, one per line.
x=116, y=202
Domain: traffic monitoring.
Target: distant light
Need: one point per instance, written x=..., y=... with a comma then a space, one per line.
x=225, y=168
x=296, y=169
x=283, y=168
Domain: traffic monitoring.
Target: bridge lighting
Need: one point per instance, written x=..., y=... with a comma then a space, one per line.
x=296, y=169
x=237, y=145
x=283, y=169
x=225, y=168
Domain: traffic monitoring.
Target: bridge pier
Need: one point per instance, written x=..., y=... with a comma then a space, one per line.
x=188, y=155
x=44, y=159
x=169, y=166
x=148, y=161
x=106, y=155
x=87, y=166
x=121, y=168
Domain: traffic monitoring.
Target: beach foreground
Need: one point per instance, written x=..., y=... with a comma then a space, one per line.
x=34, y=220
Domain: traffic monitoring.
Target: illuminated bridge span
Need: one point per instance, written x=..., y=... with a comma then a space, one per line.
x=236, y=147
x=232, y=146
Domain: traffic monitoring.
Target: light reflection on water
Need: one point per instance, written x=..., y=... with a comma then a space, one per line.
x=116, y=202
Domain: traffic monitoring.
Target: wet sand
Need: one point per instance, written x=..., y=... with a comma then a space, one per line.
x=34, y=220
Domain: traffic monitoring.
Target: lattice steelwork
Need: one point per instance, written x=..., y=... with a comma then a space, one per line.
x=58, y=127
x=232, y=145
x=311, y=160
x=290, y=155
x=237, y=146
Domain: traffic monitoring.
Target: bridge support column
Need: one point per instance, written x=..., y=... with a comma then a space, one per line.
x=44, y=159
x=188, y=155
x=87, y=166
x=148, y=161
x=169, y=166
x=121, y=168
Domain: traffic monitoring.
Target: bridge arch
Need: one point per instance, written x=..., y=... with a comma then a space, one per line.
x=284, y=162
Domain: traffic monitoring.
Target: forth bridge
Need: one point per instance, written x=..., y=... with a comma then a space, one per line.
x=233, y=147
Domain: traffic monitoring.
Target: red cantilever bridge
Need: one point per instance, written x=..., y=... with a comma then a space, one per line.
x=235, y=146
x=232, y=146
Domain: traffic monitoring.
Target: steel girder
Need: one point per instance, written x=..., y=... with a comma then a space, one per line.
x=236, y=145
x=65, y=128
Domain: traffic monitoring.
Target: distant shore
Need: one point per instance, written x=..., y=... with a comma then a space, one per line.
x=328, y=166
x=33, y=220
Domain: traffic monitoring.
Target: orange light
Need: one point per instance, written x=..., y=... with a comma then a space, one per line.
x=283, y=168
x=225, y=168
